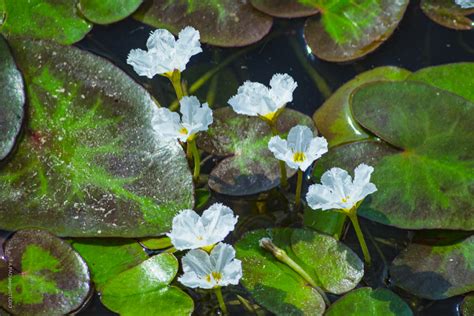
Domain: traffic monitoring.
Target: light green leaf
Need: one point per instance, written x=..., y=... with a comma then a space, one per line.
x=108, y=11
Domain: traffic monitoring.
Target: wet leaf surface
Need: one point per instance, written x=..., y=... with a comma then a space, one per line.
x=427, y=183
x=106, y=258
x=435, y=272
x=225, y=23
x=278, y=288
x=250, y=167
x=145, y=290
x=12, y=100
x=334, y=119
x=45, y=19
x=284, y=8
x=49, y=277
x=448, y=14
x=348, y=30
x=368, y=302
x=90, y=163
x=108, y=11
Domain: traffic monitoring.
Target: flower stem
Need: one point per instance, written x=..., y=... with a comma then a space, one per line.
x=299, y=184
x=220, y=299
x=196, y=158
x=177, y=85
x=283, y=178
x=355, y=222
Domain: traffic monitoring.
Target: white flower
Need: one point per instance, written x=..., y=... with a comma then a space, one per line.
x=208, y=271
x=255, y=99
x=300, y=149
x=338, y=191
x=195, y=118
x=191, y=231
x=165, y=54
x=465, y=4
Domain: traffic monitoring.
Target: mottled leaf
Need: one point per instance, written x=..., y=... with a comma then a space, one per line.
x=284, y=8
x=90, y=163
x=106, y=258
x=435, y=272
x=350, y=29
x=220, y=22
x=43, y=275
x=448, y=13
x=108, y=11
x=367, y=302
x=12, y=100
x=250, y=167
x=145, y=290
x=334, y=119
x=45, y=19
x=467, y=306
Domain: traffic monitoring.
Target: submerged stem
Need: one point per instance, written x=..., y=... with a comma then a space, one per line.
x=299, y=185
x=196, y=158
x=360, y=236
x=220, y=299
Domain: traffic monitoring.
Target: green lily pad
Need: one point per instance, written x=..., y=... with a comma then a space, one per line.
x=427, y=182
x=467, y=306
x=49, y=277
x=106, y=258
x=145, y=290
x=284, y=8
x=456, y=78
x=448, y=13
x=281, y=290
x=12, y=100
x=108, y=11
x=90, y=163
x=157, y=243
x=435, y=272
x=334, y=119
x=368, y=302
x=226, y=23
x=348, y=30
x=250, y=167
x=45, y=19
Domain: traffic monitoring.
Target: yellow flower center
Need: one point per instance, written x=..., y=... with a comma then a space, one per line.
x=183, y=131
x=270, y=116
x=345, y=199
x=208, y=248
x=215, y=275
x=299, y=156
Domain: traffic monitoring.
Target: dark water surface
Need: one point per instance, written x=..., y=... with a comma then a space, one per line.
x=417, y=43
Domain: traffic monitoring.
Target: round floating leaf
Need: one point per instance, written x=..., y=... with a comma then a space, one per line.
x=368, y=302
x=284, y=8
x=334, y=266
x=348, y=30
x=108, y=11
x=435, y=272
x=45, y=19
x=106, y=258
x=157, y=243
x=467, y=306
x=334, y=119
x=12, y=100
x=49, y=277
x=251, y=167
x=456, y=78
x=145, y=290
x=448, y=13
x=90, y=163
x=220, y=22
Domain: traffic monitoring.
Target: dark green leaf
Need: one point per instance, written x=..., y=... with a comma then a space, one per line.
x=368, y=302
x=220, y=22
x=284, y=8
x=157, y=243
x=12, y=100
x=45, y=19
x=448, y=13
x=108, y=11
x=90, y=163
x=435, y=272
x=467, y=306
x=49, y=277
x=331, y=223
x=145, y=290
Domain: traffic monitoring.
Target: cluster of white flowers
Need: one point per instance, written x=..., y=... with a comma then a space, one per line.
x=209, y=263
x=465, y=4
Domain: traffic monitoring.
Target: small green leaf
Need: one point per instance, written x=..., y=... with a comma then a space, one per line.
x=106, y=258
x=145, y=290
x=156, y=243
x=435, y=272
x=45, y=19
x=367, y=302
x=225, y=23
x=331, y=223
x=284, y=8
x=49, y=277
x=448, y=14
x=108, y=11
x=12, y=100
x=467, y=306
